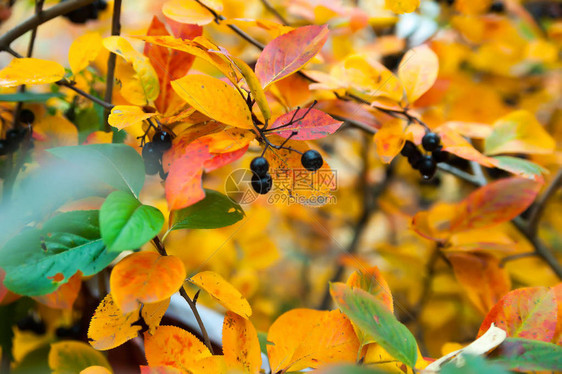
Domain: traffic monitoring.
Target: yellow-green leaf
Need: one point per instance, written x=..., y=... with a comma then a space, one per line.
x=215, y=99
x=30, y=71
x=402, y=6
x=84, y=50
x=71, y=357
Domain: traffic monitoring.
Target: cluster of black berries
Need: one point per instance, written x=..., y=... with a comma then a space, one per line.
x=497, y=7
x=426, y=164
x=87, y=12
x=152, y=152
x=33, y=324
x=261, y=179
x=15, y=136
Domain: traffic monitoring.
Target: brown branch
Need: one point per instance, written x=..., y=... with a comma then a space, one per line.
x=115, y=30
x=192, y=304
x=540, y=205
x=38, y=19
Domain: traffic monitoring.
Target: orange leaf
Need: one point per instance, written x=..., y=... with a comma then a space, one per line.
x=145, y=277
x=304, y=338
x=289, y=52
x=459, y=146
x=418, y=71
x=64, y=296
x=187, y=11
x=482, y=278
x=241, y=347
x=372, y=281
x=96, y=370
x=529, y=313
x=172, y=346
x=314, y=125
x=215, y=99
x=223, y=292
x=159, y=370
x=497, y=202
x=218, y=160
x=184, y=184
x=390, y=139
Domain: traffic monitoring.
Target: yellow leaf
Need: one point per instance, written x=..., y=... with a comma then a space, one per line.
x=123, y=116
x=372, y=79
x=140, y=63
x=30, y=71
x=241, y=347
x=187, y=11
x=55, y=131
x=109, y=327
x=172, y=346
x=309, y=338
x=96, y=370
x=390, y=139
x=418, y=71
x=223, y=292
x=71, y=357
x=519, y=132
x=214, y=364
x=402, y=6
x=215, y=99
x=145, y=277
x=129, y=83
x=255, y=87
x=84, y=50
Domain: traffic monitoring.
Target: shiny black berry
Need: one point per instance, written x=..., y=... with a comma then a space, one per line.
x=162, y=140
x=408, y=149
x=414, y=158
x=427, y=167
x=312, y=160
x=27, y=116
x=439, y=155
x=262, y=185
x=152, y=157
x=431, y=141
x=259, y=166
x=497, y=7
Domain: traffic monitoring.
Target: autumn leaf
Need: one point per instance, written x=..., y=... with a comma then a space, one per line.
x=215, y=99
x=418, y=69
x=83, y=51
x=307, y=123
x=372, y=281
x=459, y=146
x=525, y=313
x=187, y=11
x=145, y=277
x=289, y=52
x=123, y=116
x=241, y=347
x=390, y=139
x=302, y=338
x=96, y=370
x=72, y=357
x=30, y=71
x=172, y=346
x=223, y=292
x=64, y=296
x=402, y=6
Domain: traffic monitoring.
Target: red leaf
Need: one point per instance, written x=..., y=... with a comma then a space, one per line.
x=218, y=160
x=529, y=313
x=315, y=125
x=169, y=64
x=184, y=184
x=497, y=202
x=289, y=52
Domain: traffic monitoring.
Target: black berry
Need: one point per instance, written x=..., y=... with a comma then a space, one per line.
x=312, y=160
x=439, y=155
x=27, y=116
x=30, y=323
x=497, y=7
x=4, y=147
x=152, y=157
x=414, y=158
x=259, y=166
x=431, y=141
x=408, y=149
x=72, y=332
x=427, y=167
x=262, y=185
x=16, y=135
x=162, y=140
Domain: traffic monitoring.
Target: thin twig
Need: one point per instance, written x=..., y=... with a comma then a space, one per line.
x=517, y=256
x=192, y=304
x=96, y=100
x=538, y=209
x=39, y=19
x=274, y=11
x=115, y=30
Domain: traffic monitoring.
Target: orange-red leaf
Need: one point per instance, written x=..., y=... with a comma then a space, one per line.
x=529, y=313
x=223, y=292
x=241, y=347
x=390, y=139
x=459, y=146
x=64, y=296
x=289, y=52
x=304, y=338
x=145, y=277
x=172, y=346
x=314, y=125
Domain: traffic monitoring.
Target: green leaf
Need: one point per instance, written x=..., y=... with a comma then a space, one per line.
x=262, y=338
x=521, y=167
x=32, y=97
x=528, y=355
x=473, y=365
x=118, y=165
x=126, y=223
x=66, y=244
x=214, y=211
x=375, y=320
